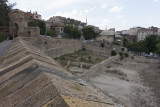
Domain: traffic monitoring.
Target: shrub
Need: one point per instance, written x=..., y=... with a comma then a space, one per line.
x=120, y=53
x=113, y=53
x=83, y=49
x=126, y=55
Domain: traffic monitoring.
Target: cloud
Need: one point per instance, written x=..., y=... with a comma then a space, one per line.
x=116, y=9
x=103, y=6
x=76, y=14
x=155, y=0
x=104, y=23
x=120, y=16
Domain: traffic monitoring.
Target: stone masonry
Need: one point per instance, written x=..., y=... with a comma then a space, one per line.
x=18, y=25
x=29, y=78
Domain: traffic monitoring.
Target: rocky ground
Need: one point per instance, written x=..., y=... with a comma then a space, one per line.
x=130, y=83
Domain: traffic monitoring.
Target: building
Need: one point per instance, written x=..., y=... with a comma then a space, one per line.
x=58, y=28
x=18, y=25
x=134, y=31
x=158, y=33
x=107, y=35
x=56, y=25
x=34, y=15
x=124, y=32
x=144, y=32
x=118, y=36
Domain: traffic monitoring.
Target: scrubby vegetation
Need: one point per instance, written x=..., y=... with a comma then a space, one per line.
x=113, y=53
x=80, y=56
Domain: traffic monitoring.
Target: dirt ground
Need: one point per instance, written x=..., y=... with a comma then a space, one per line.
x=130, y=83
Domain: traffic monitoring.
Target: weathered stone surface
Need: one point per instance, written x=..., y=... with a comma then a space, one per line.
x=36, y=100
x=29, y=89
x=30, y=78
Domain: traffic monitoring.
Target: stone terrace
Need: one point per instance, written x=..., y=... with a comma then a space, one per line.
x=29, y=78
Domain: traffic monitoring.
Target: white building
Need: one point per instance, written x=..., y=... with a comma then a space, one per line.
x=143, y=33
x=124, y=32
x=134, y=31
x=158, y=33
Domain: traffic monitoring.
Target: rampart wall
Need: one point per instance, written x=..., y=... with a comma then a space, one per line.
x=55, y=47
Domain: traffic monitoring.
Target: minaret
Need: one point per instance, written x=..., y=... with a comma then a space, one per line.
x=86, y=20
x=106, y=28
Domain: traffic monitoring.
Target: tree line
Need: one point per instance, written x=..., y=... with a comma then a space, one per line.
x=73, y=32
x=150, y=44
x=5, y=8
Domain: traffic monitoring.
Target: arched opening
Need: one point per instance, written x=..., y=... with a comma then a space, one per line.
x=15, y=30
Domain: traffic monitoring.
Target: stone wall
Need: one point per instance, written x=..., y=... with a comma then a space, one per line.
x=98, y=67
x=55, y=47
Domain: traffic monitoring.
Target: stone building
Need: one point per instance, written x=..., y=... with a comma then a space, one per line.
x=58, y=28
x=34, y=15
x=107, y=35
x=56, y=25
x=18, y=25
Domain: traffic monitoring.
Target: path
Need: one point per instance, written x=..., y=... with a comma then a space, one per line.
x=3, y=48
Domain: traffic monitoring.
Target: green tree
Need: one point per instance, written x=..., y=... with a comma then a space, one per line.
x=68, y=30
x=72, y=32
x=88, y=32
x=76, y=33
x=150, y=43
x=50, y=33
x=158, y=48
x=5, y=8
x=40, y=24
x=125, y=42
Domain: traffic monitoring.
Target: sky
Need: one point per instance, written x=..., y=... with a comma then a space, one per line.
x=119, y=14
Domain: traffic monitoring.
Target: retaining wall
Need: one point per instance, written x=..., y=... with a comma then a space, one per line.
x=97, y=67
x=55, y=47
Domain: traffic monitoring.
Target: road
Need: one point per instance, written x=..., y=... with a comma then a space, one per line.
x=3, y=48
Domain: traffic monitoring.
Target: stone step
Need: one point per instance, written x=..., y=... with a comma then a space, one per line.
x=18, y=81
x=29, y=89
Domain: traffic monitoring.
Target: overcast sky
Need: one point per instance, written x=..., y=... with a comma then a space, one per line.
x=119, y=14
